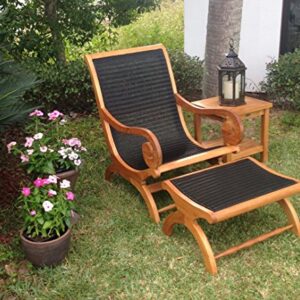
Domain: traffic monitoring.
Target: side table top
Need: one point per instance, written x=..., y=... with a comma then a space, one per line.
x=252, y=105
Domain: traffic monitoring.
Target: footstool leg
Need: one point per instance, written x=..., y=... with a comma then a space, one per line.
x=178, y=217
x=291, y=215
x=174, y=218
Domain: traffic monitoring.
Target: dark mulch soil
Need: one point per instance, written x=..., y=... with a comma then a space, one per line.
x=11, y=179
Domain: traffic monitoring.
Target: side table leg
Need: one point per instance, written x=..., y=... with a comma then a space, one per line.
x=197, y=128
x=265, y=120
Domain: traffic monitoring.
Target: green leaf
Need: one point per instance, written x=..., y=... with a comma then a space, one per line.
x=40, y=220
x=49, y=168
x=47, y=225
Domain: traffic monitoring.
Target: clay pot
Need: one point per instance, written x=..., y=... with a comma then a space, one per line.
x=48, y=253
x=71, y=175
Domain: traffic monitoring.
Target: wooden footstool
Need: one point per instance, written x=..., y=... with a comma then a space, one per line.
x=225, y=191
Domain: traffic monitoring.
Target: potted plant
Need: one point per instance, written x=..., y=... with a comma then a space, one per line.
x=46, y=206
x=47, y=150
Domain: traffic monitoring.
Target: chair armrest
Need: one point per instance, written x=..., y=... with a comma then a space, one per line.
x=151, y=149
x=232, y=127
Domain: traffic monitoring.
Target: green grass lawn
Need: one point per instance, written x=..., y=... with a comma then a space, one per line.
x=117, y=252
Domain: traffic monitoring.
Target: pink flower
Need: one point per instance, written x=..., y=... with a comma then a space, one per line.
x=70, y=196
x=37, y=113
x=24, y=158
x=26, y=191
x=39, y=182
x=52, y=193
x=54, y=115
x=29, y=141
x=33, y=213
x=74, y=142
x=46, y=181
x=10, y=146
x=65, y=142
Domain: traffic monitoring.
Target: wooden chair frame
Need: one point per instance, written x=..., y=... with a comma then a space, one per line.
x=188, y=212
x=232, y=130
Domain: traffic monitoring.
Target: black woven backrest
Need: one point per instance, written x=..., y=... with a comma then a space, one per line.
x=137, y=91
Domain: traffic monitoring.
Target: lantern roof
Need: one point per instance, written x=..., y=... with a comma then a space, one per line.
x=231, y=61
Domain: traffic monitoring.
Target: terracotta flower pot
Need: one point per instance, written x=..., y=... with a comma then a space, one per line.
x=48, y=253
x=71, y=175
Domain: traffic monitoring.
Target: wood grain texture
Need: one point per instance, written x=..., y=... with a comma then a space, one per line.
x=254, y=241
x=188, y=212
x=232, y=127
x=151, y=149
x=253, y=108
x=178, y=217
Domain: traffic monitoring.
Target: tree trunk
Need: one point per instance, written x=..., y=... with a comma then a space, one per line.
x=52, y=19
x=224, y=23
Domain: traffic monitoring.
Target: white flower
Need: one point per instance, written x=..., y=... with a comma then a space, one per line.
x=38, y=136
x=52, y=179
x=47, y=205
x=63, y=122
x=29, y=151
x=65, y=184
x=51, y=150
x=77, y=162
x=62, y=152
x=43, y=149
x=73, y=156
x=52, y=193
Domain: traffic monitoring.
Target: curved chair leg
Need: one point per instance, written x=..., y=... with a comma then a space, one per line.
x=291, y=215
x=178, y=217
x=110, y=170
x=149, y=200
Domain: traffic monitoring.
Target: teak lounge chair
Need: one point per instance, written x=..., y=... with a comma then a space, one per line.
x=142, y=118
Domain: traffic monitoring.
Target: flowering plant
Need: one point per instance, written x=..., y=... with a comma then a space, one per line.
x=47, y=206
x=47, y=150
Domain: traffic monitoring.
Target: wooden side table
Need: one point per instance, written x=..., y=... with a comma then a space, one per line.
x=252, y=109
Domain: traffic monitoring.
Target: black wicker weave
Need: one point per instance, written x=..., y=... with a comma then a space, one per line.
x=137, y=91
x=225, y=186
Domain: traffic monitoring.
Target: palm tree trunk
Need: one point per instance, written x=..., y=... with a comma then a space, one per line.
x=224, y=23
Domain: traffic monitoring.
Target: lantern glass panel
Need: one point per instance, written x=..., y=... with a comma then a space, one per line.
x=238, y=86
x=227, y=85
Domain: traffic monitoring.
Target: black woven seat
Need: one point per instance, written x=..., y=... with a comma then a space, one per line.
x=231, y=184
x=137, y=91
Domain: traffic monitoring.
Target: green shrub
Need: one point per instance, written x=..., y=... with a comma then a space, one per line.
x=14, y=81
x=188, y=73
x=282, y=81
x=163, y=25
x=67, y=88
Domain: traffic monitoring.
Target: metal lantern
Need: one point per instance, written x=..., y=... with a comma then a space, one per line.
x=231, y=80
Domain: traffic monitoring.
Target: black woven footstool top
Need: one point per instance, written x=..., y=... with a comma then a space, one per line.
x=231, y=184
